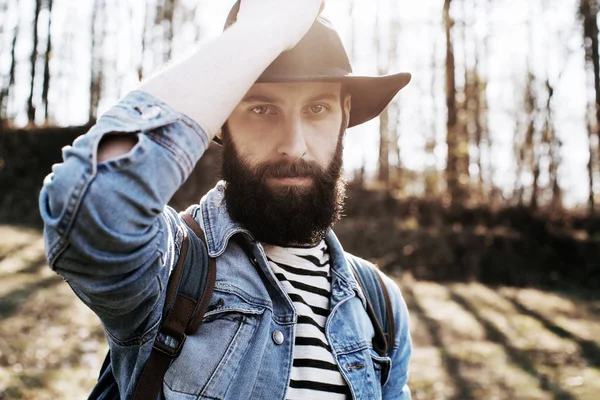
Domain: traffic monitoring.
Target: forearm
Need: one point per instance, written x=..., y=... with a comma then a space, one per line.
x=208, y=85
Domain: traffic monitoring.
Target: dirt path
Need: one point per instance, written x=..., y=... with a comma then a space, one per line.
x=471, y=341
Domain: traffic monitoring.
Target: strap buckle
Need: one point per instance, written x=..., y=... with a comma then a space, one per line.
x=163, y=344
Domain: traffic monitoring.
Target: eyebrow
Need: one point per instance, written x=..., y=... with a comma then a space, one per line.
x=324, y=96
x=261, y=98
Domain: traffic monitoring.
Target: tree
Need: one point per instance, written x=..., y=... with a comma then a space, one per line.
x=588, y=11
x=97, y=77
x=33, y=61
x=457, y=161
x=169, y=32
x=5, y=91
x=383, y=62
x=431, y=175
x=591, y=165
x=481, y=134
x=531, y=149
x=47, y=56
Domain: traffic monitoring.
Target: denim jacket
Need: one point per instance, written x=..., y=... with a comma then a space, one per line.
x=109, y=233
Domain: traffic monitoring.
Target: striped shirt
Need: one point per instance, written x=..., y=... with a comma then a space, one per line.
x=305, y=275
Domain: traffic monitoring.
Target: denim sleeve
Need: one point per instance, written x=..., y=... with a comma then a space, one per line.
x=107, y=228
x=396, y=387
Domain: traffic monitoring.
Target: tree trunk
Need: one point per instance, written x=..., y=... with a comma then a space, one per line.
x=33, y=62
x=146, y=37
x=519, y=151
x=588, y=11
x=384, y=122
x=431, y=173
x=553, y=152
x=453, y=177
x=384, y=149
x=394, y=109
x=96, y=80
x=168, y=12
x=159, y=44
x=591, y=168
x=530, y=154
x=480, y=111
x=479, y=133
x=47, y=57
x=5, y=94
x=396, y=168
x=591, y=31
x=352, y=30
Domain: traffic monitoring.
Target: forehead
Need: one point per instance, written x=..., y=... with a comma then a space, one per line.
x=294, y=90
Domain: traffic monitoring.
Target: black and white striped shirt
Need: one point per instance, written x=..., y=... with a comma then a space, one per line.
x=305, y=275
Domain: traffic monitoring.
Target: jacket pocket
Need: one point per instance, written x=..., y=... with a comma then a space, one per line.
x=210, y=358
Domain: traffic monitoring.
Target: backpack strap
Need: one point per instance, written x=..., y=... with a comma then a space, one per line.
x=379, y=305
x=188, y=295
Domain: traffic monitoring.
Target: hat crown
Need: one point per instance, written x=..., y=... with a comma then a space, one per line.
x=320, y=54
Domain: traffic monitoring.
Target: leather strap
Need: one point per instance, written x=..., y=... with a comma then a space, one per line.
x=175, y=278
x=212, y=276
x=380, y=342
x=383, y=340
x=183, y=318
x=391, y=329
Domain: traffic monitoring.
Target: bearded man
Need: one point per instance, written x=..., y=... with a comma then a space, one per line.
x=287, y=321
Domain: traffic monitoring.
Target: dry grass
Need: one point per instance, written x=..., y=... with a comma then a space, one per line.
x=471, y=341
x=51, y=345
x=477, y=342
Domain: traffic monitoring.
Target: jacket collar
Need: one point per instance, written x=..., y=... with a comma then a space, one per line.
x=216, y=221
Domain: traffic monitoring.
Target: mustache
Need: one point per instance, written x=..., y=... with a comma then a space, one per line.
x=286, y=169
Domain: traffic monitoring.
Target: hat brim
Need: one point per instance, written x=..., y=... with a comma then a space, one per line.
x=370, y=94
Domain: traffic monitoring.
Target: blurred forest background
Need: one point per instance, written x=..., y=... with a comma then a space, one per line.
x=489, y=161
x=484, y=172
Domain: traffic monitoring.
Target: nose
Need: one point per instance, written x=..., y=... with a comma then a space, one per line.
x=292, y=142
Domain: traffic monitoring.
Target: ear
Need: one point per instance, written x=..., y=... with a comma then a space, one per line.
x=347, y=104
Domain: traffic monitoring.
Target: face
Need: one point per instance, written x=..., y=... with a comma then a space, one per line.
x=288, y=122
x=282, y=152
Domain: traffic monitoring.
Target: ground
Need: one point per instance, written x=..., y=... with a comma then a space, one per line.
x=470, y=341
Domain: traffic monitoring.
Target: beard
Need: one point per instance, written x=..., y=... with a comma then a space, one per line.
x=283, y=215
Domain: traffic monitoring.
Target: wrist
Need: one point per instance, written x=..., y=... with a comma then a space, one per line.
x=273, y=40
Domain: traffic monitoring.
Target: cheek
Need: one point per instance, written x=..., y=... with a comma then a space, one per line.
x=252, y=140
x=324, y=143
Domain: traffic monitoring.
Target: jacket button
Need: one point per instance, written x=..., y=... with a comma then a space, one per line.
x=151, y=113
x=278, y=337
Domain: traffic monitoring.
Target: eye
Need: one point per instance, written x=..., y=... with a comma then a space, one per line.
x=317, y=108
x=260, y=110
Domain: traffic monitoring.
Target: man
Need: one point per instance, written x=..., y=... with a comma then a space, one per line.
x=276, y=89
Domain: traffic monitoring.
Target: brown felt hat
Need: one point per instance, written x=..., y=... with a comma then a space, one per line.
x=320, y=57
